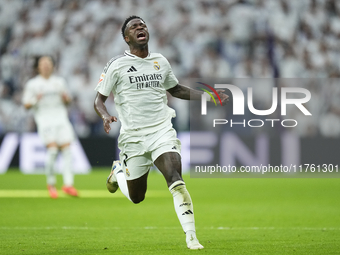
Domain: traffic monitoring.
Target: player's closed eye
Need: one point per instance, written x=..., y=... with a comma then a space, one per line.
x=135, y=26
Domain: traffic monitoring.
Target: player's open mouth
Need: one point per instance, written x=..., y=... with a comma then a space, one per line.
x=141, y=36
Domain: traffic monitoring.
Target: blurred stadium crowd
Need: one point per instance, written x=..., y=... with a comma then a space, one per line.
x=201, y=39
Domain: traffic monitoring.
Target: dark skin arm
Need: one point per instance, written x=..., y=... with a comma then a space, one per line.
x=187, y=93
x=100, y=108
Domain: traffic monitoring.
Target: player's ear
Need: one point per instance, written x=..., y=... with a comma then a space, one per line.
x=127, y=40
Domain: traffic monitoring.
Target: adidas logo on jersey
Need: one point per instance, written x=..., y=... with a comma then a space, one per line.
x=132, y=69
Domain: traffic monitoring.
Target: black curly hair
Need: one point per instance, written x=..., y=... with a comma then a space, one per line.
x=127, y=21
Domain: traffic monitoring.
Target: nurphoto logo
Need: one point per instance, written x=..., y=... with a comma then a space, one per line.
x=239, y=105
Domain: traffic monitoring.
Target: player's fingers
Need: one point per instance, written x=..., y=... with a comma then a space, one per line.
x=107, y=128
x=225, y=99
x=108, y=120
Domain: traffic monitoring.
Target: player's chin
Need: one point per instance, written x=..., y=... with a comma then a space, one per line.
x=142, y=43
x=143, y=40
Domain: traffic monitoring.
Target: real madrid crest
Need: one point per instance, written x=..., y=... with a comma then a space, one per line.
x=127, y=172
x=156, y=66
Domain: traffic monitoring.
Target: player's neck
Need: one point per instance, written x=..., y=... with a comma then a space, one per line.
x=46, y=76
x=141, y=52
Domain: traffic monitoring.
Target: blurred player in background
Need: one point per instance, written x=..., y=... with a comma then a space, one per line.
x=139, y=81
x=47, y=95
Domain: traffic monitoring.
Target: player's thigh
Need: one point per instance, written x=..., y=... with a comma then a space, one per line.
x=137, y=188
x=65, y=134
x=169, y=164
x=136, y=167
x=136, y=170
x=47, y=134
x=163, y=141
x=166, y=155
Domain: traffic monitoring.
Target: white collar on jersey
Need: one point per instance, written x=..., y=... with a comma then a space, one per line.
x=128, y=53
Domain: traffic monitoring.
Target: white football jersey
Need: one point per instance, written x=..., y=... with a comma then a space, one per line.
x=139, y=88
x=50, y=108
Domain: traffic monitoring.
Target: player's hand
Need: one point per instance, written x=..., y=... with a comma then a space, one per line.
x=224, y=97
x=66, y=98
x=107, y=121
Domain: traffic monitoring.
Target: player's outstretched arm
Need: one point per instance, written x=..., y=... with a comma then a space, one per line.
x=100, y=108
x=186, y=93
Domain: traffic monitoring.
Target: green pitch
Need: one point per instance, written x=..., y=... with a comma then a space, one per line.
x=233, y=216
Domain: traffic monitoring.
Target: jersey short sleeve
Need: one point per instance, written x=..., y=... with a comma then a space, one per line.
x=170, y=80
x=29, y=93
x=108, y=78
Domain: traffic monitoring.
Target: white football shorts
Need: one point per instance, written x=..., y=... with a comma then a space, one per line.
x=61, y=133
x=138, y=153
